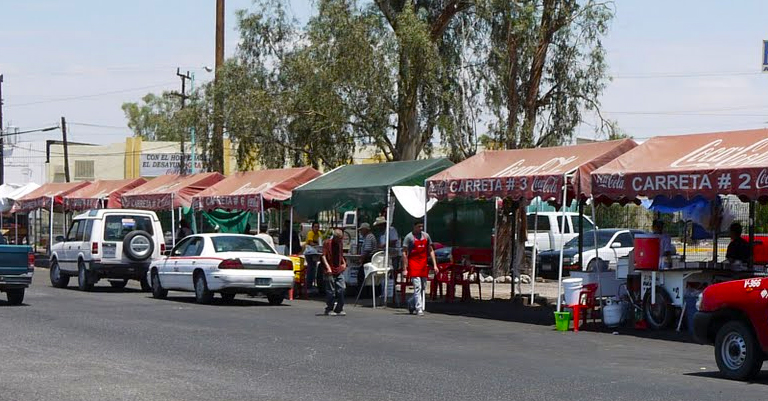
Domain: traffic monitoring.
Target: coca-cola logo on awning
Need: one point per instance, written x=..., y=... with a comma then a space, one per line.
x=762, y=180
x=551, y=166
x=715, y=155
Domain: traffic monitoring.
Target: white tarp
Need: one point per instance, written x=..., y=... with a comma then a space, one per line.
x=412, y=199
x=11, y=192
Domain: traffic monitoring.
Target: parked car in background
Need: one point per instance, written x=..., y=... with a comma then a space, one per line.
x=17, y=265
x=117, y=244
x=550, y=232
x=732, y=317
x=228, y=264
x=612, y=243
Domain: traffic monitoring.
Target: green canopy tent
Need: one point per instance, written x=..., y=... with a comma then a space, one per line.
x=362, y=186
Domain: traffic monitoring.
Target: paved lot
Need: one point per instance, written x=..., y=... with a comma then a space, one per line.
x=123, y=345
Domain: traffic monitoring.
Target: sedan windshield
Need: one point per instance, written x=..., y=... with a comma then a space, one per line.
x=240, y=244
x=589, y=239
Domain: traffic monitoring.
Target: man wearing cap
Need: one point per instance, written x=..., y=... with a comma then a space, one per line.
x=380, y=225
x=368, y=249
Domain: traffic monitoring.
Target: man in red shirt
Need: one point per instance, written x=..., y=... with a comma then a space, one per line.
x=334, y=263
x=417, y=245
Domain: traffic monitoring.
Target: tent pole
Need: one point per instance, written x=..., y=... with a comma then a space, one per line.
x=513, y=250
x=599, y=279
x=290, y=234
x=751, y=234
x=173, y=223
x=495, y=244
x=426, y=201
x=258, y=222
x=562, y=245
x=16, y=231
x=535, y=249
x=386, y=245
x=50, y=229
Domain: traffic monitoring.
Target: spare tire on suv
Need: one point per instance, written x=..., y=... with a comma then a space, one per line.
x=138, y=245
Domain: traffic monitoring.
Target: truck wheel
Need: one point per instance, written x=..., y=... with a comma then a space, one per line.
x=138, y=246
x=275, y=299
x=58, y=279
x=660, y=315
x=737, y=352
x=158, y=292
x=15, y=296
x=84, y=282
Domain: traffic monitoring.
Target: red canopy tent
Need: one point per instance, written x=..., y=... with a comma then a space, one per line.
x=720, y=163
x=248, y=190
x=101, y=193
x=527, y=173
x=554, y=174
x=168, y=192
x=48, y=197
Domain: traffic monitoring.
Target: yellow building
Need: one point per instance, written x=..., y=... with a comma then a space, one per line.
x=132, y=159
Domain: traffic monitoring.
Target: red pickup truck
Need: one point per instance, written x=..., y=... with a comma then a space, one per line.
x=734, y=317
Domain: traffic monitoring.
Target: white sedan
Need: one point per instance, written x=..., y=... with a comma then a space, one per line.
x=227, y=264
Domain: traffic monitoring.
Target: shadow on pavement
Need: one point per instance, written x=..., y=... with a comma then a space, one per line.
x=761, y=379
x=239, y=301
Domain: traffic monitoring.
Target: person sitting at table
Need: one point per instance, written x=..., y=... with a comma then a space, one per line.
x=739, y=250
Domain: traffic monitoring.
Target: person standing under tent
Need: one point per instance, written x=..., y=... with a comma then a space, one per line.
x=285, y=236
x=184, y=230
x=417, y=248
x=739, y=252
x=312, y=252
x=334, y=264
x=370, y=245
x=666, y=249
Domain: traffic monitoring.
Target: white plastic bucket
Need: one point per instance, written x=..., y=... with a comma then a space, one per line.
x=612, y=314
x=571, y=290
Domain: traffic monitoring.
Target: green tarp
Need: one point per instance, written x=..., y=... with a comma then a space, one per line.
x=362, y=185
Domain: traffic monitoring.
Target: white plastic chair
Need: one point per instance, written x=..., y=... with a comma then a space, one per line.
x=373, y=270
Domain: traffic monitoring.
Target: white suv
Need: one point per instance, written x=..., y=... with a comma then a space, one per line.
x=114, y=244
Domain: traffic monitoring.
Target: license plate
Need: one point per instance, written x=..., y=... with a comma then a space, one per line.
x=110, y=250
x=546, y=266
x=263, y=281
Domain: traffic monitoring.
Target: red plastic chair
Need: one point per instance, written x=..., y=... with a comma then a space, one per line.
x=436, y=282
x=586, y=303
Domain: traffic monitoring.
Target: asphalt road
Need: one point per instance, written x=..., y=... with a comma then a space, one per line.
x=124, y=345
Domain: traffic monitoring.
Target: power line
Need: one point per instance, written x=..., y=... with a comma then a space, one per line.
x=100, y=126
x=126, y=153
x=62, y=99
x=685, y=75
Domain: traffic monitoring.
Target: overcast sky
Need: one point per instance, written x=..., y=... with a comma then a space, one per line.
x=678, y=66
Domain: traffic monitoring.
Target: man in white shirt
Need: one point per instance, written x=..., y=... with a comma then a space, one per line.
x=380, y=225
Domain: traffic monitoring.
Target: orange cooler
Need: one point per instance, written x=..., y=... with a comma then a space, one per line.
x=647, y=251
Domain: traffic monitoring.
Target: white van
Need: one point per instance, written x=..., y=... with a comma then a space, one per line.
x=116, y=244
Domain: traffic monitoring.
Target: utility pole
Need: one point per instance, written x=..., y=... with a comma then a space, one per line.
x=183, y=95
x=2, y=136
x=66, y=148
x=217, y=142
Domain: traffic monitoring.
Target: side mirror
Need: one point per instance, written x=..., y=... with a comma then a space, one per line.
x=59, y=238
x=167, y=253
x=616, y=245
